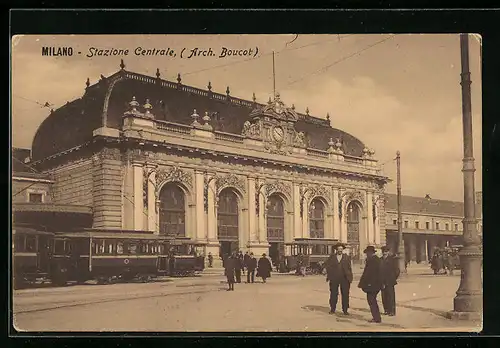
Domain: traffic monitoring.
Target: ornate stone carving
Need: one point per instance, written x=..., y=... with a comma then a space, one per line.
x=278, y=186
x=230, y=180
x=310, y=192
x=318, y=191
x=354, y=195
x=276, y=109
x=252, y=130
x=299, y=139
x=174, y=174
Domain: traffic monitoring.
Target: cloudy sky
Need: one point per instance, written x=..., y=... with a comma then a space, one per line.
x=394, y=93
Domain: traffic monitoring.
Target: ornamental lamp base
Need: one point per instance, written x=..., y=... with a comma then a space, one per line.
x=476, y=317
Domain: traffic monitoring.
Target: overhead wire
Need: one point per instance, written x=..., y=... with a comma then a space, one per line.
x=265, y=55
x=326, y=67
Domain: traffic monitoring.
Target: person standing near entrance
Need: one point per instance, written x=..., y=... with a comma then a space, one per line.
x=390, y=273
x=251, y=266
x=264, y=268
x=339, y=274
x=238, y=265
x=246, y=257
x=371, y=282
x=210, y=260
x=229, y=265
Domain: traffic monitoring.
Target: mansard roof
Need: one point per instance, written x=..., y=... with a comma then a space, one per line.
x=104, y=103
x=422, y=205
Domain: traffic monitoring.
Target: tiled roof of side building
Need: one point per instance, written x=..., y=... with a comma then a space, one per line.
x=423, y=205
x=105, y=102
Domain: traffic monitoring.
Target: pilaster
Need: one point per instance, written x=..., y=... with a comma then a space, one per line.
x=297, y=222
x=369, y=218
x=199, y=233
x=138, y=200
x=151, y=187
x=336, y=217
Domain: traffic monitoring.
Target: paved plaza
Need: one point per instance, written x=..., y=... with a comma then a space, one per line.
x=285, y=303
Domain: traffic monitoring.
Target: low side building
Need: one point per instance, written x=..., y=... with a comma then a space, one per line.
x=427, y=223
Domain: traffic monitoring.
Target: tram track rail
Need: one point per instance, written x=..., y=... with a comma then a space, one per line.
x=77, y=303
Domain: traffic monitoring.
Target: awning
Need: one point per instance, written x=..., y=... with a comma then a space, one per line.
x=51, y=208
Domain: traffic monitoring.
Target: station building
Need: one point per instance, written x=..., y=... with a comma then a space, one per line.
x=427, y=223
x=144, y=153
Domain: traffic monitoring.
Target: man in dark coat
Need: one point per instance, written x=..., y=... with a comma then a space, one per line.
x=238, y=265
x=264, y=268
x=390, y=273
x=210, y=260
x=229, y=265
x=246, y=257
x=371, y=282
x=339, y=274
x=242, y=259
x=251, y=266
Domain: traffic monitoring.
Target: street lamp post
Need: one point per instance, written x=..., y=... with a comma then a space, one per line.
x=401, y=243
x=468, y=304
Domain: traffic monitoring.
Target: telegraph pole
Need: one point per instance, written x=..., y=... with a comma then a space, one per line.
x=468, y=304
x=401, y=244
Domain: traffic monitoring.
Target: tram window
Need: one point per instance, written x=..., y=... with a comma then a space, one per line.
x=110, y=247
x=59, y=247
x=132, y=248
x=19, y=243
x=30, y=243
x=119, y=248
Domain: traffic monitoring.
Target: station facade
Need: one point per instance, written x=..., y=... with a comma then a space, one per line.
x=150, y=154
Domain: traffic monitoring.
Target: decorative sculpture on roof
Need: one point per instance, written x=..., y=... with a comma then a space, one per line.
x=276, y=109
x=252, y=130
x=300, y=139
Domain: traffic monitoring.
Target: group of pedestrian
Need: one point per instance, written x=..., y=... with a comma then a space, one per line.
x=237, y=263
x=444, y=261
x=379, y=275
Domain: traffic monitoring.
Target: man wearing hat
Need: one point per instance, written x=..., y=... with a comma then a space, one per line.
x=390, y=273
x=371, y=282
x=264, y=268
x=339, y=274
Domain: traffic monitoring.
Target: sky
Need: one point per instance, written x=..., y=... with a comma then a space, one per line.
x=393, y=92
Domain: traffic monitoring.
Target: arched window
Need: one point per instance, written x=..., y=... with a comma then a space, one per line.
x=227, y=216
x=172, y=210
x=275, y=219
x=317, y=219
x=353, y=217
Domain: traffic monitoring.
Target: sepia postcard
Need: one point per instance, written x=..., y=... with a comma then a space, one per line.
x=246, y=183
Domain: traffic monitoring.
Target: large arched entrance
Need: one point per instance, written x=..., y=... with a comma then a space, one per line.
x=227, y=222
x=275, y=227
x=353, y=223
x=172, y=211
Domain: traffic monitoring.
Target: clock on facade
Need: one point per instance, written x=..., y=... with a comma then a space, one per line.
x=278, y=134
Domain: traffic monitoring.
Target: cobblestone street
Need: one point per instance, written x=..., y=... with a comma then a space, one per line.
x=285, y=303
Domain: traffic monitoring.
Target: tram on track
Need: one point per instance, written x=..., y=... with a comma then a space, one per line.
x=31, y=251
x=106, y=256
x=313, y=252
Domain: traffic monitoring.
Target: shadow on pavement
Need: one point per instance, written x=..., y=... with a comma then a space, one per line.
x=340, y=317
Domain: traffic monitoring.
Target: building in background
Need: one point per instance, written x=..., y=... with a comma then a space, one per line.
x=32, y=200
x=427, y=223
x=150, y=154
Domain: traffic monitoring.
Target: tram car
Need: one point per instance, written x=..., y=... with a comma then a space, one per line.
x=313, y=251
x=186, y=257
x=107, y=256
x=31, y=255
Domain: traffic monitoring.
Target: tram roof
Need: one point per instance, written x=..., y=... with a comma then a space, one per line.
x=111, y=235
x=314, y=241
